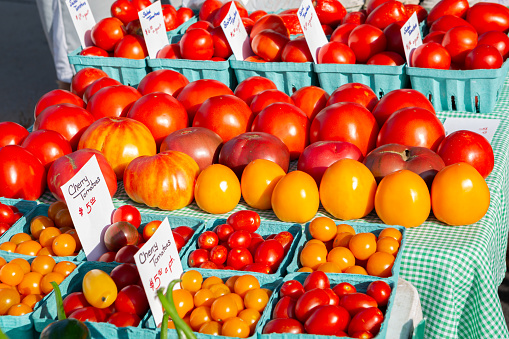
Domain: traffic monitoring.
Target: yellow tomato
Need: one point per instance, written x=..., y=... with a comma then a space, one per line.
x=295, y=197
x=459, y=195
x=258, y=181
x=99, y=288
x=217, y=189
x=402, y=198
x=347, y=190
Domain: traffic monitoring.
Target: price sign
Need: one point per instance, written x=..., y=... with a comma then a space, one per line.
x=484, y=127
x=411, y=36
x=154, y=30
x=90, y=206
x=83, y=20
x=158, y=263
x=313, y=31
x=236, y=34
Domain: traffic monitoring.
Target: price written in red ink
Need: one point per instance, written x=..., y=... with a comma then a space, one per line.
x=88, y=205
x=82, y=16
x=153, y=30
x=155, y=283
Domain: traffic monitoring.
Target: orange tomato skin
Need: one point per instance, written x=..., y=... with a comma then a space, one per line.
x=217, y=189
x=402, y=198
x=258, y=181
x=121, y=140
x=165, y=180
x=459, y=195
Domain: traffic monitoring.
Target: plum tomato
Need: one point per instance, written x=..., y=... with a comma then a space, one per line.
x=356, y=302
x=343, y=289
x=244, y=220
x=327, y=320
x=285, y=238
x=271, y=253
x=218, y=254
x=369, y=319
x=283, y=325
x=291, y=288
x=309, y=301
x=316, y=279
x=285, y=308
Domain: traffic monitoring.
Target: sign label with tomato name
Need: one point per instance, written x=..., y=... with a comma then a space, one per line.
x=154, y=29
x=411, y=36
x=158, y=263
x=236, y=33
x=484, y=127
x=90, y=205
x=83, y=20
x=312, y=28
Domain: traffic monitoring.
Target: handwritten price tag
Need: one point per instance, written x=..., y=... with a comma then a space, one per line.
x=313, y=32
x=83, y=20
x=154, y=30
x=485, y=127
x=236, y=34
x=411, y=36
x=90, y=206
x=158, y=263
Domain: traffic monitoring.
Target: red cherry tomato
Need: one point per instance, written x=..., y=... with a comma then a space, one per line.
x=431, y=55
x=124, y=275
x=239, y=239
x=271, y=253
x=12, y=133
x=317, y=279
x=284, y=326
x=4, y=227
x=6, y=214
x=179, y=241
x=244, y=220
x=334, y=299
x=132, y=299
x=258, y=267
x=285, y=238
x=185, y=231
x=74, y=301
x=285, y=308
x=310, y=301
x=238, y=258
x=198, y=257
x=207, y=240
x=127, y=213
x=327, y=320
x=292, y=289
x=380, y=291
x=368, y=320
x=123, y=319
x=355, y=302
x=89, y=313
x=343, y=289
x=224, y=231
x=218, y=254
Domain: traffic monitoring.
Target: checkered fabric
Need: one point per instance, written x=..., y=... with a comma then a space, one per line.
x=457, y=270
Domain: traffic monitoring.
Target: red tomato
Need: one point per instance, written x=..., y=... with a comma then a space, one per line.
x=127, y=213
x=223, y=11
x=126, y=254
x=271, y=22
x=431, y=55
x=224, y=231
x=327, y=320
x=161, y=113
x=89, y=313
x=458, y=41
x=124, y=10
x=201, y=24
x=83, y=78
x=47, y=146
x=310, y=99
x=222, y=47
x=487, y=17
x=335, y=53
x=387, y=59
x=354, y=92
x=208, y=7
x=271, y=253
x=57, y=96
x=285, y=307
x=251, y=86
x=267, y=97
x=329, y=12
x=171, y=51
x=496, y=39
x=269, y=45
x=387, y=13
x=310, y=301
x=131, y=47
x=238, y=258
x=393, y=35
x=356, y=17
x=132, y=299
x=141, y=4
x=447, y=7
x=124, y=275
x=447, y=22
x=184, y=14
x=107, y=257
x=343, y=289
x=412, y=126
x=292, y=23
x=197, y=44
x=69, y=120
x=292, y=289
x=12, y=133
x=346, y=121
x=342, y=32
x=422, y=13
x=218, y=254
x=257, y=15
x=372, y=4
x=97, y=85
x=123, y=319
x=6, y=214
x=258, y=267
x=239, y=239
x=107, y=32
x=163, y=80
x=185, y=231
x=244, y=220
x=355, y=302
x=196, y=92
x=296, y=50
x=207, y=240
x=285, y=238
x=283, y=326
x=369, y=320
x=74, y=301
x=365, y=41
x=179, y=241
x=171, y=21
x=134, y=28
x=317, y=279
x=113, y=101
x=436, y=36
x=4, y=227
x=469, y=147
x=198, y=257
x=288, y=123
x=484, y=57
x=380, y=291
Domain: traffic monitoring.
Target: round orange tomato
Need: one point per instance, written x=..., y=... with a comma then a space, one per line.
x=295, y=197
x=217, y=189
x=258, y=181
x=402, y=198
x=323, y=228
x=459, y=195
x=347, y=190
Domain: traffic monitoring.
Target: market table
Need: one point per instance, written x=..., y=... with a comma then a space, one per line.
x=457, y=270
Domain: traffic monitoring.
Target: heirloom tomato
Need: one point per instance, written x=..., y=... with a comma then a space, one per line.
x=217, y=189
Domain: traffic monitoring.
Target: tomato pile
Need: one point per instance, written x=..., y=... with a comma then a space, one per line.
x=9, y=214
x=338, y=249
x=235, y=245
x=24, y=284
x=315, y=307
x=211, y=306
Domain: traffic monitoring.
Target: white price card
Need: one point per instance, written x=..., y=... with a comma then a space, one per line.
x=83, y=20
x=90, y=205
x=154, y=30
x=158, y=263
x=236, y=33
x=411, y=36
x=312, y=28
x=484, y=127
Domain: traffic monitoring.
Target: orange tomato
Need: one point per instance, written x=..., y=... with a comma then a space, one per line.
x=11, y=274
x=250, y=317
x=295, y=197
x=219, y=290
x=230, y=282
x=223, y=308
x=329, y=267
x=305, y=269
x=46, y=280
x=313, y=255
x=8, y=247
x=347, y=190
x=31, y=284
x=459, y=195
x=64, y=267
x=199, y=316
x=54, y=208
x=210, y=281
x=18, y=238
x=341, y=256
x=150, y=229
x=8, y=298
x=245, y=283
x=25, y=265
x=183, y=302
x=38, y=224
x=99, y=288
x=362, y=245
x=2, y=262
x=19, y=309
x=63, y=245
x=315, y=241
x=342, y=239
x=191, y=281
x=203, y=297
x=238, y=301
x=256, y=299
x=258, y=181
x=391, y=232
x=323, y=228
x=211, y=327
x=48, y=235
x=30, y=247
x=402, y=198
x=345, y=228
x=356, y=270
x=46, y=251
x=217, y=189
x=235, y=327
x=387, y=245
x=31, y=300
x=380, y=264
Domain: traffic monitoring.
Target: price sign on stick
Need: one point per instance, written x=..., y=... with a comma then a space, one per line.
x=154, y=30
x=236, y=34
x=158, y=263
x=411, y=36
x=484, y=127
x=90, y=206
x=83, y=20
x=313, y=31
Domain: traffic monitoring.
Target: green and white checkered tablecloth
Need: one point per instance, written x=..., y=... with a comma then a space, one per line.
x=457, y=270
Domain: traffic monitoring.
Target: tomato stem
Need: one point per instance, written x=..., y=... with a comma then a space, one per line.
x=164, y=325
x=60, y=303
x=183, y=330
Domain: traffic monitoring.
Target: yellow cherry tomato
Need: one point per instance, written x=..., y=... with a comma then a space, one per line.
x=347, y=189
x=99, y=288
x=313, y=255
x=295, y=197
x=258, y=181
x=323, y=228
x=191, y=281
x=217, y=189
x=459, y=195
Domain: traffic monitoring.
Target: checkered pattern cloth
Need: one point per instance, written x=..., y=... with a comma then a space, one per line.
x=457, y=270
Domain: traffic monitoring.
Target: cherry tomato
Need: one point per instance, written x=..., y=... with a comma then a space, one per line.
x=327, y=320
x=74, y=301
x=369, y=320
x=271, y=253
x=356, y=302
x=310, y=301
x=218, y=254
x=224, y=231
x=207, y=240
x=124, y=319
x=380, y=291
x=185, y=231
x=127, y=213
x=239, y=239
x=244, y=220
x=132, y=299
x=284, y=325
x=291, y=288
x=197, y=257
x=99, y=288
x=89, y=313
x=285, y=308
x=124, y=275
x=238, y=258
x=316, y=280
x=285, y=238
x=343, y=289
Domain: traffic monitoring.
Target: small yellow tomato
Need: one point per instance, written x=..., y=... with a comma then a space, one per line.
x=99, y=288
x=217, y=189
x=258, y=181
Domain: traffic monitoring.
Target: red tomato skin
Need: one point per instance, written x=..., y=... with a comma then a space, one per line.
x=447, y=7
x=239, y=239
x=327, y=320
x=132, y=299
x=170, y=17
x=74, y=301
x=431, y=55
x=257, y=15
x=218, y=254
x=283, y=325
x=285, y=239
x=436, y=36
x=12, y=133
x=447, y=22
x=309, y=301
x=336, y=53
x=458, y=41
x=285, y=308
x=271, y=253
x=250, y=87
x=296, y=50
x=222, y=48
x=97, y=85
x=124, y=10
x=269, y=45
x=185, y=231
x=107, y=32
x=292, y=289
x=184, y=14
x=223, y=231
x=131, y=47
x=393, y=35
x=487, y=17
x=123, y=319
x=342, y=32
x=387, y=13
x=207, y=240
x=380, y=291
x=57, y=96
x=354, y=92
x=356, y=17
x=238, y=258
x=343, y=289
x=365, y=41
x=483, y=57
x=422, y=13
x=164, y=80
x=83, y=78
x=356, y=302
x=311, y=100
x=244, y=220
x=208, y=7
x=113, y=101
x=369, y=319
x=267, y=97
x=171, y=51
x=89, y=313
x=329, y=12
x=124, y=275
x=127, y=213
x=47, y=146
x=316, y=279
x=496, y=39
x=197, y=44
x=197, y=257
x=334, y=299
x=386, y=59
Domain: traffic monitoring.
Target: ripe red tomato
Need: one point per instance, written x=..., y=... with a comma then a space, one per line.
x=447, y=22
x=317, y=279
x=355, y=302
x=185, y=231
x=269, y=45
x=431, y=55
x=141, y=4
x=83, y=78
x=201, y=24
x=196, y=92
x=356, y=17
x=184, y=14
x=107, y=32
x=74, y=301
x=134, y=28
x=124, y=10
x=97, y=85
x=393, y=35
x=257, y=267
x=458, y=41
x=238, y=258
x=296, y=50
x=218, y=254
x=127, y=213
x=310, y=301
x=329, y=12
x=335, y=52
x=222, y=47
x=447, y=7
x=372, y=4
x=327, y=320
x=132, y=299
x=483, y=57
x=126, y=254
x=496, y=39
x=244, y=220
x=4, y=227
x=387, y=13
x=47, y=146
x=380, y=291
x=271, y=253
x=487, y=17
x=171, y=21
x=365, y=41
x=179, y=241
x=6, y=214
x=284, y=325
x=267, y=97
x=436, y=36
x=342, y=32
x=386, y=58
x=113, y=101
x=239, y=239
x=224, y=231
x=223, y=11
x=57, y=96
x=198, y=257
x=422, y=13
x=123, y=319
x=171, y=51
x=257, y=15
x=12, y=133
x=343, y=289
x=207, y=8
x=197, y=44
x=292, y=289
x=163, y=80
x=334, y=299
x=251, y=86
x=354, y=92
x=285, y=307
x=285, y=238
x=270, y=22
x=292, y=23
x=207, y=240
x=311, y=100
x=131, y=47
x=124, y=275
